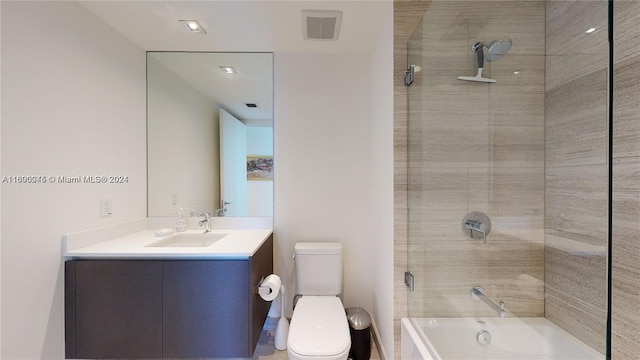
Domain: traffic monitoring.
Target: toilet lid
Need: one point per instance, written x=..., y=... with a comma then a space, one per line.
x=319, y=327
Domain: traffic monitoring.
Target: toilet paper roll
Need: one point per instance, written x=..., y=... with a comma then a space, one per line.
x=270, y=287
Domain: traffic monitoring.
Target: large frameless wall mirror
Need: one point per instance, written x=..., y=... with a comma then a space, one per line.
x=210, y=133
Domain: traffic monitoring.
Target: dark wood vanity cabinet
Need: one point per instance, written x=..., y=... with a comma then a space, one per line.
x=165, y=308
x=113, y=309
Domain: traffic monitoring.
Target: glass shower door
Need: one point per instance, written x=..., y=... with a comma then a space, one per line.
x=523, y=160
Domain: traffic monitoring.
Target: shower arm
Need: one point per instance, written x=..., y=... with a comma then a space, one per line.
x=477, y=48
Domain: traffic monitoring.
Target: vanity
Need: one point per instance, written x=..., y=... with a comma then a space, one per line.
x=131, y=292
x=142, y=296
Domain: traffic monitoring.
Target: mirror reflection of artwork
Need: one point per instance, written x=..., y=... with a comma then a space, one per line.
x=259, y=168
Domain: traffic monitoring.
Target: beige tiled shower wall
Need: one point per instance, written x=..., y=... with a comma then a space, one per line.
x=576, y=183
x=626, y=182
x=574, y=190
x=477, y=147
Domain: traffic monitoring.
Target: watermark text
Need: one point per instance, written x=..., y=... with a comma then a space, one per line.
x=65, y=179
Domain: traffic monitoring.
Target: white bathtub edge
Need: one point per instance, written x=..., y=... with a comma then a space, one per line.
x=411, y=345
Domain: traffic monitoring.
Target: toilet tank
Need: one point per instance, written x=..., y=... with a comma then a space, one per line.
x=318, y=268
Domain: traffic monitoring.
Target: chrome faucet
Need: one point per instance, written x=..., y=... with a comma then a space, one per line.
x=477, y=293
x=223, y=208
x=206, y=221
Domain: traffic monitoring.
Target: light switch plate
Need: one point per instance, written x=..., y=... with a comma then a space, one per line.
x=105, y=207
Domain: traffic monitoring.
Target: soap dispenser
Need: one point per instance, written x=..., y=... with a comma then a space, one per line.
x=181, y=224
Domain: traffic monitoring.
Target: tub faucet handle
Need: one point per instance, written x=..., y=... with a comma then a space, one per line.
x=477, y=226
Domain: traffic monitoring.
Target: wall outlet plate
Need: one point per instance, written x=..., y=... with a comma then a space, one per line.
x=105, y=207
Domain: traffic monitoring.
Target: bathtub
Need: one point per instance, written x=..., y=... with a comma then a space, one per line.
x=501, y=338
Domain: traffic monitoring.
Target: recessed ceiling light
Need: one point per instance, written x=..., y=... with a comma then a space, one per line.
x=228, y=69
x=590, y=30
x=516, y=72
x=193, y=26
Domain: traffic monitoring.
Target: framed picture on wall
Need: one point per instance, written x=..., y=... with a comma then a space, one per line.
x=259, y=167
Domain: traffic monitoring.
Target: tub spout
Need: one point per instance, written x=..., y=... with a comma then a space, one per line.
x=477, y=293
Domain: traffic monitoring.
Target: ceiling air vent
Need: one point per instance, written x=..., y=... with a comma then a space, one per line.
x=321, y=24
x=251, y=105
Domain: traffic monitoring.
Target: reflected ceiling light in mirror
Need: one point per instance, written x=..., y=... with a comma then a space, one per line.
x=228, y=69
x=591, y=30
x=193, y=26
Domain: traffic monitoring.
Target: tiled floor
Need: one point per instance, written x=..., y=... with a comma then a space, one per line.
x=266, y=348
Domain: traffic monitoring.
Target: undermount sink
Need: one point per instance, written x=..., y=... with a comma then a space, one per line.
x=188, y=240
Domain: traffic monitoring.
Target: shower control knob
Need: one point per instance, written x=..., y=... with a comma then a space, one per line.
x=476, y=226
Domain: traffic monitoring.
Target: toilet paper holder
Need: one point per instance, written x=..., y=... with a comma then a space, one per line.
x=257, y=292
x=261, y=287
x=269, y=293
x=269, y=287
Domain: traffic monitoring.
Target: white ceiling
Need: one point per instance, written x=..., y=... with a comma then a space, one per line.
x=252, y=83
x=238, y=26
x=268, y=26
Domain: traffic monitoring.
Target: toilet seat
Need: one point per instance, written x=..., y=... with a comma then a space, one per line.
x=319, y=329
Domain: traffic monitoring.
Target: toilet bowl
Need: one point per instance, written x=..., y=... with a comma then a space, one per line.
x=319, y=330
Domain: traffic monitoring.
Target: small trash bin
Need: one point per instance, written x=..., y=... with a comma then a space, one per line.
x=360, y=329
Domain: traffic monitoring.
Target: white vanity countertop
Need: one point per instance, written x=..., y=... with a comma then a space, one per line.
x=237, y=244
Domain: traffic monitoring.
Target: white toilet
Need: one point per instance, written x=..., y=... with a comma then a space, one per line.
x=319, y=329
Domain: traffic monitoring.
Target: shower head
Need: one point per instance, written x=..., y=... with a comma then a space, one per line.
x=497, y=48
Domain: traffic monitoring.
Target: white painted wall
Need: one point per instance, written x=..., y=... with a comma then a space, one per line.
x=183, y=133
x=77, y=105
x=382, y=185
x=323, y=182
x=260, y=192
x=0, y=189
x=73, y=103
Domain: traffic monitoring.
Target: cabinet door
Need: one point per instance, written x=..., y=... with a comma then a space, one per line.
x=206, y=309
x=118, y=309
